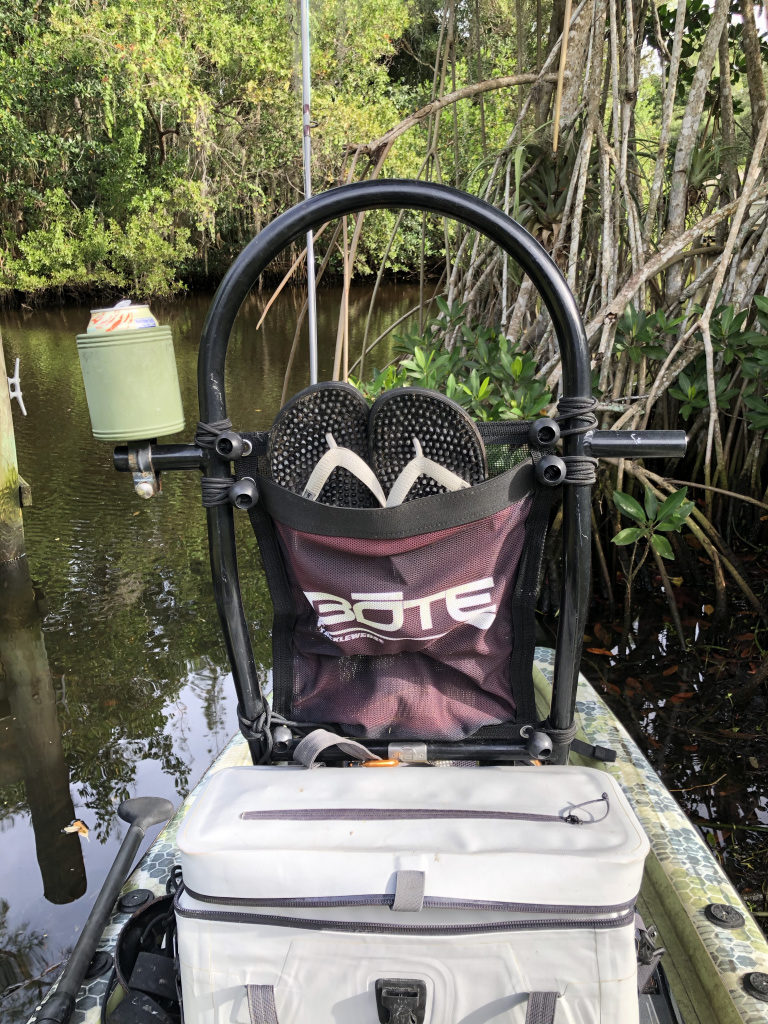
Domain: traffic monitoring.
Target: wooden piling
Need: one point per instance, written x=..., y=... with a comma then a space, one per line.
x=11, y=525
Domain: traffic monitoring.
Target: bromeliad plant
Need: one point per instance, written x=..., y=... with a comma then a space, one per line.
x=653, y=521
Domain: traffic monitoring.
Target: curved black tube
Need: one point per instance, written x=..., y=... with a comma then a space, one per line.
x=571, y=337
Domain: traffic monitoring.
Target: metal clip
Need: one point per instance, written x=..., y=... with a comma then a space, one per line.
x=14, y=387
x=146, y=481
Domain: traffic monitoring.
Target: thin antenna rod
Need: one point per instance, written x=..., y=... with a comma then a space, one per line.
x=306, y=89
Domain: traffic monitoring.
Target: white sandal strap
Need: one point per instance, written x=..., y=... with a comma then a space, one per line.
x=341, y=458
x=420, y=465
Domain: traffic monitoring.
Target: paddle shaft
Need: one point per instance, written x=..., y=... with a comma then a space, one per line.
x=58, y=1008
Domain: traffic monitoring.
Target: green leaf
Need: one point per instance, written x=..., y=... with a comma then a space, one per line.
x=662, y=546
x=651, y=503
x=630, y=506
x=672, y=504
x=627, y=536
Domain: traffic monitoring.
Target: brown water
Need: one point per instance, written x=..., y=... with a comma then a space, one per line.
x=139, y=699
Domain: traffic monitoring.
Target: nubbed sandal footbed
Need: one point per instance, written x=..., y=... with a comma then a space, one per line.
x=298, y=441
x=447, y=435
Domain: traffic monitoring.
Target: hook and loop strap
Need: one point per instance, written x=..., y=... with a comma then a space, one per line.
x=592, y=750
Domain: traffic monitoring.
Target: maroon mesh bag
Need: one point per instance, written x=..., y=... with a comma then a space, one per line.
x=408, y=622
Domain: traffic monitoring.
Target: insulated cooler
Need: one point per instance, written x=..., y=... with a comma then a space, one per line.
x=467, y=894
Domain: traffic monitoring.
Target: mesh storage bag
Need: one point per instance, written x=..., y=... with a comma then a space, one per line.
x=410, y=622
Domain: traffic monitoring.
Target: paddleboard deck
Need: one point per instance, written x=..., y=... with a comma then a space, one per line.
x=706, y=964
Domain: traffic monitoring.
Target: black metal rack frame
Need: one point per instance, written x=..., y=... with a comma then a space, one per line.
x=576, y=384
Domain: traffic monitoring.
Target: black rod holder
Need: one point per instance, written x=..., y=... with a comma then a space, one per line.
x=162, y=456
x=636, y=444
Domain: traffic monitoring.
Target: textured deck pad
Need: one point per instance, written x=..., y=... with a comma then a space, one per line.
x=447, y=435
x=298, y=440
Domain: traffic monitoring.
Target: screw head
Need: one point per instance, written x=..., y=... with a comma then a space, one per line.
x=144, y=489
x=724, y=915
x=756, y=984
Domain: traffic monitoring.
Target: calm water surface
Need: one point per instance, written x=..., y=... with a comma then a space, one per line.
x=138, y=673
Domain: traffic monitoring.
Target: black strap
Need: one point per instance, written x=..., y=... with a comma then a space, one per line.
x=593, y=750
x=524, y=603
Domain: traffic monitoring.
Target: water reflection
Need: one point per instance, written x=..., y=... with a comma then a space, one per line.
x=35, y=736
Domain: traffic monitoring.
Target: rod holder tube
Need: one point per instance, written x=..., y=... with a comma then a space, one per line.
x=163, y=456
x=636, y=444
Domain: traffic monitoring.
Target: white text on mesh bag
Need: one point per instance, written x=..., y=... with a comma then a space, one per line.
x=468, y=603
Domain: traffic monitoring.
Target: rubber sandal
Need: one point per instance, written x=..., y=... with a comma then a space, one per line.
x=447, y=436
x=344, y=458
x=420, y=465
x=298, y=442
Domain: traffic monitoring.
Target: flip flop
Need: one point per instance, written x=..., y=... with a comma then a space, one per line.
x=298, y=442
x=409, y=428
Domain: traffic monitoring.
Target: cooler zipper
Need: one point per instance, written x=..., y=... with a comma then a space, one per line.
x=387, y=899
x=377, y=928
x=418, y=814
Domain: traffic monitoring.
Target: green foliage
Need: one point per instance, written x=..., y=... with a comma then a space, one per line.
x=477, y=366
x=653, y=519
x=639, y=333
x=740, y=340
x=141, y=141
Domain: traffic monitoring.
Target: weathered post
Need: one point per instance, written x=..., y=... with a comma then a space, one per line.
x=29, y=688
x=11, y=526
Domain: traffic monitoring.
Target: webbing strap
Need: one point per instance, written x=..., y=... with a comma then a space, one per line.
x=541, y=1007
x=315, y=742
x=261, y=1004
x=409, y=891
x=262, y=1009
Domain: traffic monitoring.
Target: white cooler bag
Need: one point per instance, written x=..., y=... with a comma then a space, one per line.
x=411, y=894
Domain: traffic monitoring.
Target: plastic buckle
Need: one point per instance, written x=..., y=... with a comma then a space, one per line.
x=401, y=1000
